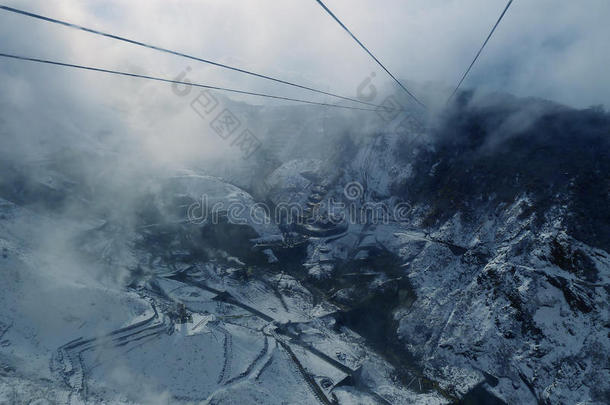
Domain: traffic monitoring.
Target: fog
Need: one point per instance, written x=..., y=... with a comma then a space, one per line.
x=116, y=132
x=135, y=128
x=550, y=49
x=547, y=49
x=82, y=152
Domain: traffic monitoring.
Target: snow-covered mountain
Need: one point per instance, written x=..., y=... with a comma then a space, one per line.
x=463, y=259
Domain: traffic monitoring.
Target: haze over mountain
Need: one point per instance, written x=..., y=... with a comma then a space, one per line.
x=459, y=254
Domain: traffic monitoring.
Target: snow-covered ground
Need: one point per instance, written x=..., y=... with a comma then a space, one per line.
x=148, y=305
x=69, y=338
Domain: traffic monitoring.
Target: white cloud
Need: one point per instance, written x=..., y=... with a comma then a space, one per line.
x=548, y=48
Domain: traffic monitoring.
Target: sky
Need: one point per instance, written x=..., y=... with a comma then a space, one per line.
x=553, y=49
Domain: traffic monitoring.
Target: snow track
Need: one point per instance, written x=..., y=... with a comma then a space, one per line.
x=252, y=372
x=252, y=365
x=228, y=353
x=68, y=360
x=311, y=383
